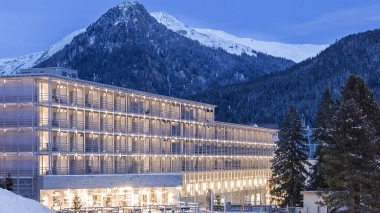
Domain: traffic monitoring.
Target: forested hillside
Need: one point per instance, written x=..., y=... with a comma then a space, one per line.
x=266, y=99
x=127, y=47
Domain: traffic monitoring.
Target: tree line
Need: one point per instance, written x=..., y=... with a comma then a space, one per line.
x=347, y=170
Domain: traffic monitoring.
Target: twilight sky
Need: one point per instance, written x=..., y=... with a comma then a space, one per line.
x=30, y=26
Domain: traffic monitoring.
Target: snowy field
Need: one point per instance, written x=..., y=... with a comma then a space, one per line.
x=12, y=203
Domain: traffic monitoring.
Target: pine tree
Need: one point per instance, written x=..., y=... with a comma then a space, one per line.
x=8, y=183
x=77, y=203
x=326, y=110
x=288, y=166
x=352, y=155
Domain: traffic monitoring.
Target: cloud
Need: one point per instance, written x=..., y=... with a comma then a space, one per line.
x=340, y=19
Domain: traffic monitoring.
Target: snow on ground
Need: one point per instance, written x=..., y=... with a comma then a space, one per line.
x=12, y=203
x=236, y=45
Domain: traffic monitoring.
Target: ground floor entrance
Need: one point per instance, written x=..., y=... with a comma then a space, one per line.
x=107, y=197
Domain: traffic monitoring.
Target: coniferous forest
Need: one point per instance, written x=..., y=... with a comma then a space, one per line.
x=347, y=172
x=267, y=99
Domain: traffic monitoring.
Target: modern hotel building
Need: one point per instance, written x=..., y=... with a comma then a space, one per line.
x=61, y=136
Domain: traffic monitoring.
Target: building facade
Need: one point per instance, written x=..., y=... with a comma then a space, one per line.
x=61, y=136
x=311, y=203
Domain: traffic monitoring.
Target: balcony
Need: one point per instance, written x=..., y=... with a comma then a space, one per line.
x=18, y=146
x=18, y=99
x=17, y=123
x=133, y=108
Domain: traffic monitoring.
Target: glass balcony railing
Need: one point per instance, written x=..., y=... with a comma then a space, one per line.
x=18, y=99
x=133, y=108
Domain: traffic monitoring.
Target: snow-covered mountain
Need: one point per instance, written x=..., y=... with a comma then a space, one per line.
x=207, y=37
x=12, y=65
x=236, y=45
x=12, y=203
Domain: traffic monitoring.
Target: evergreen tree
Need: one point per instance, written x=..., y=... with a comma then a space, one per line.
x=218, y=203
x=8, y=183
x=351, y=156
x=77, y=203
x=325, y=113
x=288, y=166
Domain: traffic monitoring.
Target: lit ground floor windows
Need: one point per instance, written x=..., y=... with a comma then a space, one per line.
x=109, y=197
x=138, y=197
x=58, y=192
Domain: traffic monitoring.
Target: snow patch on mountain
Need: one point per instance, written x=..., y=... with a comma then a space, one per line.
x=13, y=65
x=236, y=45
x=12, y=203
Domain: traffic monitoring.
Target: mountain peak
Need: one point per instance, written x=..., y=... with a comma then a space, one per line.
x=123, y=13
x=127, y=5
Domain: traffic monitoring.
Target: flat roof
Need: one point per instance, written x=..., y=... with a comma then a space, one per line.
x=245, y=126
x=113, y=87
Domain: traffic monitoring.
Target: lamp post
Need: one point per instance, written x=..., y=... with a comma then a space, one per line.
x=225, y=205
x=212, y=202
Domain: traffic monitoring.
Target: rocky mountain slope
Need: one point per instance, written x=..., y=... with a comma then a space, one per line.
x=267, y=99
x=127, y=47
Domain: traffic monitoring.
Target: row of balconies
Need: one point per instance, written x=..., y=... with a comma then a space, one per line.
x=117, y=128
x=167, y=130
x=17, y=172
x=94, y=147
x=136, y=168
x=18, y=99
x=17, y=123
x=133, y=107
x=174, y=149
x=223, y=175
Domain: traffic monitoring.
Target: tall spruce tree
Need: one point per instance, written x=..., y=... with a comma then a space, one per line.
x=288, y=166
x=326, y=110
x=352, y=155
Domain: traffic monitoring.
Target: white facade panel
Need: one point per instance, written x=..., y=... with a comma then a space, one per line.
x=110, y=181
